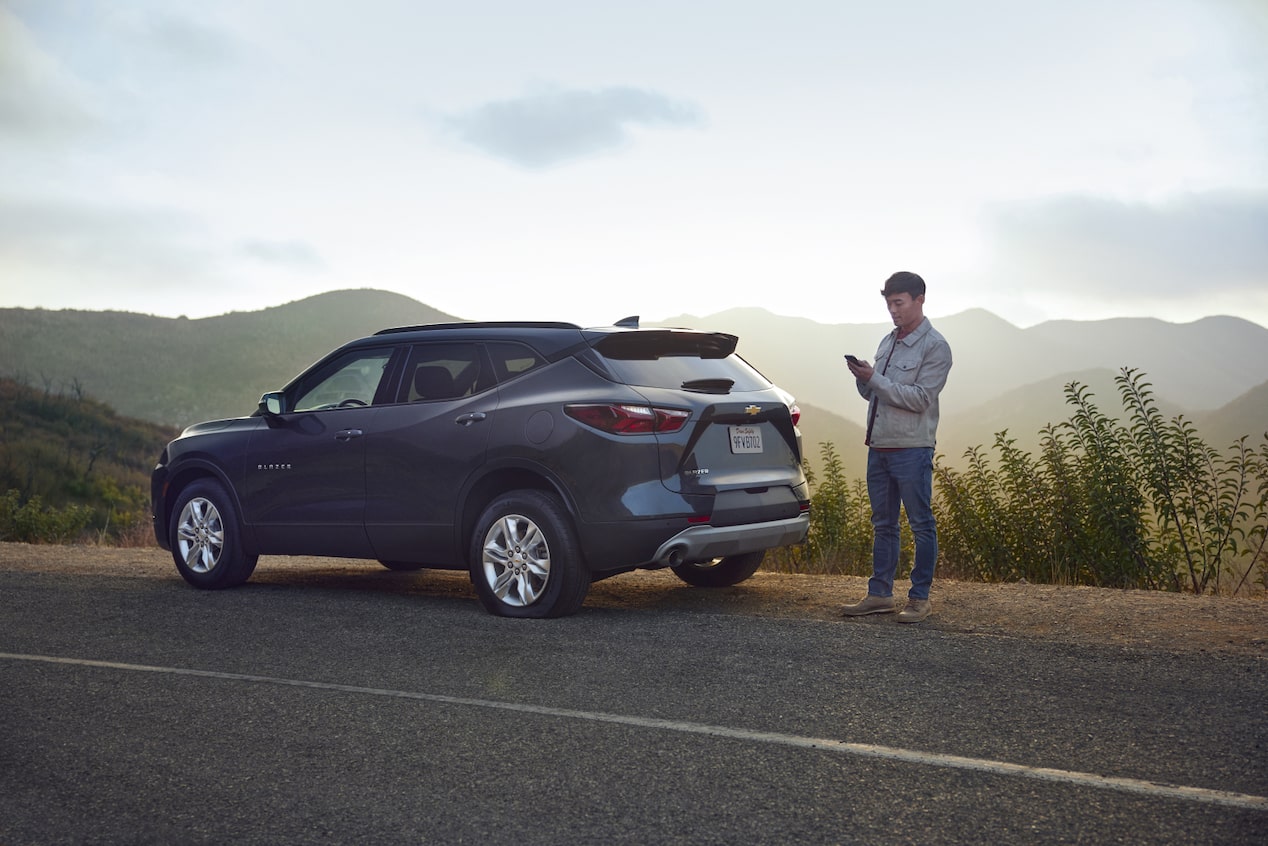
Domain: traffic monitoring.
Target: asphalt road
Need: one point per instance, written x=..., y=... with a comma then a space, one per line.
x=342, y=709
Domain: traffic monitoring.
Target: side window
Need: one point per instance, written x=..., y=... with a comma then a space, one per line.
x=443, y=372
x=510, y=360
x=349, y=381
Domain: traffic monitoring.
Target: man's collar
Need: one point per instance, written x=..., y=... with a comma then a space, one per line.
x=921, y=327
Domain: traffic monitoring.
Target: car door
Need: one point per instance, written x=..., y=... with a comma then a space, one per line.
x=424, y=448
x=304, y=492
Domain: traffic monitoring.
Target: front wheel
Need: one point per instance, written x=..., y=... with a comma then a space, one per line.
x=525, y=557
x=721, y=572
x=207, y=538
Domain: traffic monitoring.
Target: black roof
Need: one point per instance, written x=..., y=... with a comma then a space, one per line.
x=557, y=339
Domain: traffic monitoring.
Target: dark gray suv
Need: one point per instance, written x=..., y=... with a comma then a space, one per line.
x=537, y=456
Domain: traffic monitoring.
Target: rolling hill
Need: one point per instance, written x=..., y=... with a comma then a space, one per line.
x=1004, y=377
x=176, y=371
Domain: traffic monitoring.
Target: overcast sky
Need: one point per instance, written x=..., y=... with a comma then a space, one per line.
x=584, y=160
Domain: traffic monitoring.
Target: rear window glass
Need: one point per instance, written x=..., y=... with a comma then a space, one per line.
x=678, y=359
x=510, y=360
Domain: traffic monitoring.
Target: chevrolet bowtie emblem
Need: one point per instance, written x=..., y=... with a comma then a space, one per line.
x=752, y=409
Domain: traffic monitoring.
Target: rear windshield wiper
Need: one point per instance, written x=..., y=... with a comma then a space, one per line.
x=709, y=386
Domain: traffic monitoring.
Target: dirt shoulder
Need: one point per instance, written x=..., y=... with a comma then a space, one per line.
x=1152, y=620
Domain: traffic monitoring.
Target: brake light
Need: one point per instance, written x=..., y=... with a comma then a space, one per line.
x=795, y=411
x=622, y=419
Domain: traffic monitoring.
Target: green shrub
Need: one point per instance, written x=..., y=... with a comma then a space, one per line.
x=840, y=537
x=1140, y=504
x=33, y=522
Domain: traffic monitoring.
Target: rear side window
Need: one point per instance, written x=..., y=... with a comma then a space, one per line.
x=510, y=360
x=443, y=372
x=669, y=359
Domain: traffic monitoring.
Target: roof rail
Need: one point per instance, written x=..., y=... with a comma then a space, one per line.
x=491, y=324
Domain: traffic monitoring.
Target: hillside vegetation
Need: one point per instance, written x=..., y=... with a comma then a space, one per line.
x=70, y=465
x=176, y=371
x=1142, y=502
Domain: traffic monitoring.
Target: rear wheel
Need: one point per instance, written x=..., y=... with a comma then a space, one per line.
x=721, y=572
x=525, y=557
x=207, y=538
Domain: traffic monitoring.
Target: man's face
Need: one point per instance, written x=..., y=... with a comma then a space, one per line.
x=906, y=311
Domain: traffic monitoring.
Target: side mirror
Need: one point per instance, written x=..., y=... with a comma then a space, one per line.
x=272, y=404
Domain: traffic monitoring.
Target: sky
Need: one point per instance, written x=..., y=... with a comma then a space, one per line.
x=584, y=160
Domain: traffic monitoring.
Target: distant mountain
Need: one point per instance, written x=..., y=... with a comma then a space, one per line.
x=1006, y=377
x=1024, y=412
x=1246, y=415
x=177, y=371
x=1199, y=366
x=819, y=426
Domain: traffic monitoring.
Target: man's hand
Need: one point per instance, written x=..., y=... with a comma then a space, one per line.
x=862, y=370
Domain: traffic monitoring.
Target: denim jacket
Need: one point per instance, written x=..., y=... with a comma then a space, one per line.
x=903, y=392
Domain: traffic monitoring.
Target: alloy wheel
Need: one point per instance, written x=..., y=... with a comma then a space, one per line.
x=200, y=535
x=516, y=560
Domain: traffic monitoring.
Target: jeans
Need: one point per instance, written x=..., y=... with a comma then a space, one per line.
x=901, y=477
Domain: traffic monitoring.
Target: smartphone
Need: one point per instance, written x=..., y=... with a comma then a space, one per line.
x=852, y=359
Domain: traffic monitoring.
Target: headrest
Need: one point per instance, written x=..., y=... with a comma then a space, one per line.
x=433, y=382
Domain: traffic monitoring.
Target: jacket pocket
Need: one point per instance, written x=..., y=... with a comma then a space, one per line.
x=904, y=372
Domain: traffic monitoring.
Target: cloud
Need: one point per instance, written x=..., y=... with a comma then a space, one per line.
x=70, y=69
x=294, y=254
x=84, y=237
x=560, y=125
x=1112, y=249
x=39, y=99
x=185, y=44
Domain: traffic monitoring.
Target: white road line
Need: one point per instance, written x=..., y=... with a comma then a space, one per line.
x=866, y=750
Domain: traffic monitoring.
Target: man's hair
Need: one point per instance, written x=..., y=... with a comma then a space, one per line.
x=904, y=282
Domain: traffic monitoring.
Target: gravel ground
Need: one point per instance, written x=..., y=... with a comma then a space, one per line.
x=1152, y=620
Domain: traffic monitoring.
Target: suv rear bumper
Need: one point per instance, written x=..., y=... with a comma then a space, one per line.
x=703, y=543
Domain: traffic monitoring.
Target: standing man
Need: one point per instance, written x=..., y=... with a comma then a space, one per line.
x=902, y=422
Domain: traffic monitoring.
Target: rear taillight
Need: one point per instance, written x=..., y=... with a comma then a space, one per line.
x=622, y=419
x=795, y=412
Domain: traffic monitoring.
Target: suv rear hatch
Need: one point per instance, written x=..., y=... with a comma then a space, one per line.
x=740, y=444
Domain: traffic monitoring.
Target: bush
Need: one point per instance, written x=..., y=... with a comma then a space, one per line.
x=1141, y=504
x=33, y=522
x=840, y=537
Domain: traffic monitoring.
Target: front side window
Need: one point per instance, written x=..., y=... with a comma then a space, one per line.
x=350, y=381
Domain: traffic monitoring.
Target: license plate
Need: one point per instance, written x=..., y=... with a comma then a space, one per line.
x=745, y=439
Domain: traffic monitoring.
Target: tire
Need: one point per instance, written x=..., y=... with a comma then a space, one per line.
x=525, y=557
x=721, y=572
x=206, y=538
x=401, y=566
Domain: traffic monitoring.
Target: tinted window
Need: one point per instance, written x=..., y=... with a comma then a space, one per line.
x=677, y=359
x=352, y=379
x=680, y=371
x=510, y=360
x=443, y=371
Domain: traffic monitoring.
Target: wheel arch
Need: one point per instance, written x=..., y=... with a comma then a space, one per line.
x=184, y=476
x=498, y=481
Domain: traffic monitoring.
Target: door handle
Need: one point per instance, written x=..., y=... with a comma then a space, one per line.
x=469, y=418
x=348, y=434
